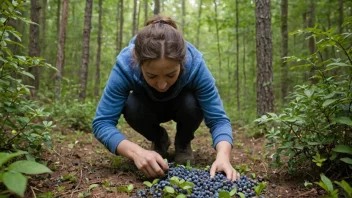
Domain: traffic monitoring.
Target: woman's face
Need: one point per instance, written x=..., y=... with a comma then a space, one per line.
x=161, y=74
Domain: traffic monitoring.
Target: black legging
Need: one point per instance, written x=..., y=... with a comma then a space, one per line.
x=145, y=115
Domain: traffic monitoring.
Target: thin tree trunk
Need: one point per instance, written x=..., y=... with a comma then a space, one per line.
x=97, y=67
x=139, y=14
x=43, y=26
x=85, y=51
x=118, y=28
x=58, y=18
x=162, y=6
x=237, y=61
x=121, y=25
x=134, y=18
x=265, y=95
x=34, y=37
x=60, y=57
x=218, y=42
x=284, y=50
x=183, y=9
x=145, y=11
x=244, y=69
x=340, y=21
x=311, y=23
x=156, y=7
x=199, y=22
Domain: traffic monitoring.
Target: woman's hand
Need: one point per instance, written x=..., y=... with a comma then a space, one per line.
x=149, y=162
x=222, y=162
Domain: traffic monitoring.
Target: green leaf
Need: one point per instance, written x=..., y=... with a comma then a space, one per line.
x=343, y=149
x=327, y=182
x=339, y=65
x=181, y=196
x=169, y=190
x=4, y=157
x=322, y=185
x=147, y=183
x=29, y=167
x=224, y=194
x=347, y=160
x=174, y=180
x=93, y=186
x=345, y=186
x=308, y=92
x=344, y=120
x=329, y=102
x=155, y=181
x=241, y=195
x=27, y=74
x=130, y=187
x=15, y=182
x=233, y=192
x=259, y=188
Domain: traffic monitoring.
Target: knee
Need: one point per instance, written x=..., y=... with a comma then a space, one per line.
x=189, y=107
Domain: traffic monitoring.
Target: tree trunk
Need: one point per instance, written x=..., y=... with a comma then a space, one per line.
x=237, y=61
x=134, y=18
x=145, y=11
x=156, y=7
x=121, y=25
x=284, y=49
x=311, y=23
x=265, y=96
x=58, y=18
x=34, y=37
x=244, y=68
x=43, y=27
x=60, y=56
x=138, y=14
x=340, y=21
x=85, y=51
x=118, y=28
x=97, y=67
x=218, y=42
x=199, y=21
x=183, y=10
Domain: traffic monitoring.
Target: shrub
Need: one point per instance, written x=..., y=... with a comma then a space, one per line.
x=316, y=125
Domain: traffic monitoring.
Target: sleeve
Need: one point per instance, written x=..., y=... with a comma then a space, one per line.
x=110, y=107
x=209, y=99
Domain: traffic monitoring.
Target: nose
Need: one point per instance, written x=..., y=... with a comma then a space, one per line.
x=162, y=85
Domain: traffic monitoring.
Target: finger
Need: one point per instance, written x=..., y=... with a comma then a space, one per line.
x=151, y=172
x=238, y=175
x=234, y=175
x=212, y=171
x=145, y=172
x=162, y=163
x=229, y=174
x=157, y=169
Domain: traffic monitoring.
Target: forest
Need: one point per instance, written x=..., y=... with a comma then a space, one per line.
x=283, y=70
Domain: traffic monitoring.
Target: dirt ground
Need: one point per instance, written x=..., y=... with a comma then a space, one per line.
x=84, y=167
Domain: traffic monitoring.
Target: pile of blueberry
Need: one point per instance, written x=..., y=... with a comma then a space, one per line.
x=204, y=186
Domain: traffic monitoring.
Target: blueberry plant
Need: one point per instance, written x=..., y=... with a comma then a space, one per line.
x=182, y=181
x=315, y=129
x=20, y=126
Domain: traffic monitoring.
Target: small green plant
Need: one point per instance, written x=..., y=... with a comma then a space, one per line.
x=243, y=169
x=12, y=175
x=326, y=184
x=259, y=188
x=127, y=189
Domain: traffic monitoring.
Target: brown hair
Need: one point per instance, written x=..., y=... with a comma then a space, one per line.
x=159, y=39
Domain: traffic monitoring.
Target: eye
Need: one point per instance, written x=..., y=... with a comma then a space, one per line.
x=170, y=76
x=151, y=77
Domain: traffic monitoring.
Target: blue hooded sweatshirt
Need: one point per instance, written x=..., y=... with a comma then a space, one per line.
x=126, y=76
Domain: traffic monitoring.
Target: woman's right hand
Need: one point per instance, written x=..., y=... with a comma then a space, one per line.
x=149, y=162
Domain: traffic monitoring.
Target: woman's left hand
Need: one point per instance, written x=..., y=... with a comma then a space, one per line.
x=222, y=162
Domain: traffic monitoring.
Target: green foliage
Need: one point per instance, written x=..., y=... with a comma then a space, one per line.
x=259, y=188
x=127, y=189
x=12, y=177
x=318, y=116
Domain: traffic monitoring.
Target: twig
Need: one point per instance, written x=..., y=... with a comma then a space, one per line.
x=33, y=193
x=306, y=193
x=79, y=183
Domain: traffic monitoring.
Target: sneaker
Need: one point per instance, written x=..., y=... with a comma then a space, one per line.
x=162, y=145
x=183, y=153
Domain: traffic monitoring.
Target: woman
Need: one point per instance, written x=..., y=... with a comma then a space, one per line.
x=157, y=78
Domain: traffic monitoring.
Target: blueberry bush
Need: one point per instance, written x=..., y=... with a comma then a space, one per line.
x=315, y=129
x=182, y=181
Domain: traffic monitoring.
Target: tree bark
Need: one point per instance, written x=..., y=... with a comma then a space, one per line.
x=138, y=14
x=134, y=18
x=218, y=42
x=43, y=27
x=85, y=51
x=58, y=18
x=145, y=11
x=97, y=65
x=121, y=25
x=237, y=61
x=183, y=13
x=199, y=22
x=156, y=7
x=265, y=96
x=60, y=56
x=34, y=47
x=311, y=23
x=118, y=28
x=244, y=69
x=284, y=49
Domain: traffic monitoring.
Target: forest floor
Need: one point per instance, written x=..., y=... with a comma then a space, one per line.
x=82, y=166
